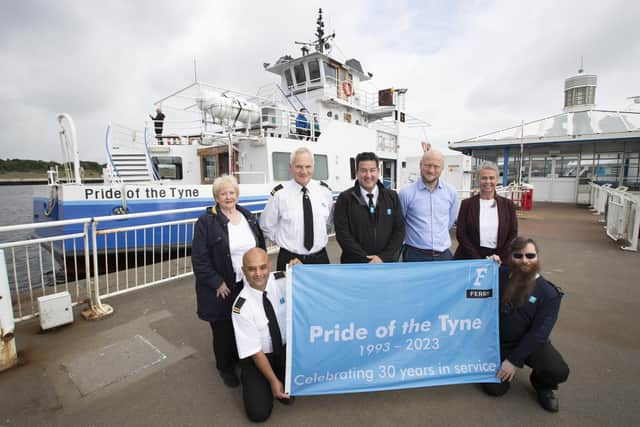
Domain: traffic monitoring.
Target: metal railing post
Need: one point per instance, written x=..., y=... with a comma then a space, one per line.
x=8, y=354
x=96, y=309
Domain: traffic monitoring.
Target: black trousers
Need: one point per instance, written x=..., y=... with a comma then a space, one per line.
x=224, y=345
x=284, y=256
x=548, y=370
x=256, y=390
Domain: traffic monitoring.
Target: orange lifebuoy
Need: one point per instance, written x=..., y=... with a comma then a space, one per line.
x=347, y=88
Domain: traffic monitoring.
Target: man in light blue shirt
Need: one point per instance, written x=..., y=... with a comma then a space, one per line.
x=429, y=206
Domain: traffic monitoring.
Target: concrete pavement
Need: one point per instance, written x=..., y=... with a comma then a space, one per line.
x=151, y=363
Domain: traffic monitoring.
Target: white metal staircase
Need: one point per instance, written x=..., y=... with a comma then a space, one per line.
x=132, y=167
x=129, y=160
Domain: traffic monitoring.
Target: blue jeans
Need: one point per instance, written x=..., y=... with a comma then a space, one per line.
x=411, y=254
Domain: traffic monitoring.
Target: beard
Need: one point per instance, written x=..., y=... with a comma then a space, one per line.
x=521, y=283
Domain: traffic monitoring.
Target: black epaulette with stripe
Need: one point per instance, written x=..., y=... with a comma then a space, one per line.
x=279, y=274
x=276, y=189
x=238, y=305
x=324, y=184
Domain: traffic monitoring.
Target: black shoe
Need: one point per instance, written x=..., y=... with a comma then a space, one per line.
x=548, y=400
x=288, y=401
x=229, y=378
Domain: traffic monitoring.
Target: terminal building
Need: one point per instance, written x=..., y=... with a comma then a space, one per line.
x=561, y=154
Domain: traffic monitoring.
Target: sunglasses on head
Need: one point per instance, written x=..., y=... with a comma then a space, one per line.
x=528, y=255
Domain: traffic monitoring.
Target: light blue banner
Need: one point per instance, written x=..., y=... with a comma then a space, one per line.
x=368, y=327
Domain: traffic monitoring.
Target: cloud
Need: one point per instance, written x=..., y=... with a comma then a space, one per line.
x=471, y=66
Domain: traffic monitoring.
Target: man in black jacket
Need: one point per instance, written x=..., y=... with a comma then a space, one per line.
x=368, y=218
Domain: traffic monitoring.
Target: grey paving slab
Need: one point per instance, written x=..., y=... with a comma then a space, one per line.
x=94, y=370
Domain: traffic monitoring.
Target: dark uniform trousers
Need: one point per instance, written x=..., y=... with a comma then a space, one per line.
x=224, y=339
x=548, y=370
x=284, y=256
x=256, y=390
x=224, y=345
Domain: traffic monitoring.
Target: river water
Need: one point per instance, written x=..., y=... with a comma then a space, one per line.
x=16, y=207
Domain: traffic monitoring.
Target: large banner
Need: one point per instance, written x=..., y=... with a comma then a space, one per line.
x=368, y=327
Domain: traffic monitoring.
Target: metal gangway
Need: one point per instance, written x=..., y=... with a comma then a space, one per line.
x=619, y=211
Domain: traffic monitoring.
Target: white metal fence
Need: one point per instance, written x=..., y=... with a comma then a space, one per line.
x=149, y=252
x=621, y=211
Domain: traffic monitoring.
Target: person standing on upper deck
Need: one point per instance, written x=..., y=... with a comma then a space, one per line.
x=429, y=207
x=297, y=214
x=158, y=123
x=302, y=124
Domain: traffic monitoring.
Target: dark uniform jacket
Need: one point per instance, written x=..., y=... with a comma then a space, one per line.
x=361, y=233
x=525, y=328
x=211, y=261
x=468, y=228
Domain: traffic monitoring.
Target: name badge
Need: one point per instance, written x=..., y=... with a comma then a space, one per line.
x=389, y=211
x=532, y=299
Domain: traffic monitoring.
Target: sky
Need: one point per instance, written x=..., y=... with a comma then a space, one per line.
x=471, y=67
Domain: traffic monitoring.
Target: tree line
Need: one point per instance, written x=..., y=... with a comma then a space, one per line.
x=23, y=165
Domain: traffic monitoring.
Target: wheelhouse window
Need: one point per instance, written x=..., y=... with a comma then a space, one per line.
x=314, y=72
x=288, y=78
x=300, y=75
x=330, y=73
x=168, y=167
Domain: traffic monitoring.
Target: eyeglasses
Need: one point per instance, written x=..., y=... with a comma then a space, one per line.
x=528, y=255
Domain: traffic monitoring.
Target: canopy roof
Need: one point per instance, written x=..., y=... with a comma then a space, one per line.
x=577, y=126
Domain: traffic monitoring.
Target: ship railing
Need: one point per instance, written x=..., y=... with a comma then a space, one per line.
x=178, y=132
x=126, y=258
x=33, y=265
x=621, y=211
x=346, y=92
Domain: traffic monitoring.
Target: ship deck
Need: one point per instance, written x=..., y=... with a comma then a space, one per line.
x=151, y=362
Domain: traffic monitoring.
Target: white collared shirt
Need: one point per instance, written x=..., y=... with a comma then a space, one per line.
x=488, y=223
x=366, y=198
x=282, y=220
x=241, y=239
x=250, y=323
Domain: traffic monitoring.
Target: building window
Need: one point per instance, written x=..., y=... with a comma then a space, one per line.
x=168, y=167
x=567, y=166
x=540, y=167
x=314, y=72
x=299, y=74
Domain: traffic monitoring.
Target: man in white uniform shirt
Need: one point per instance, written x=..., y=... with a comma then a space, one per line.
x=297, y=214
x=259, y=322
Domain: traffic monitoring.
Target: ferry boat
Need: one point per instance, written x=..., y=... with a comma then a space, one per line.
x=321, y=102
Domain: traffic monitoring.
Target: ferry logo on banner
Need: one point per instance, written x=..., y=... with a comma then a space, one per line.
x=369, y=327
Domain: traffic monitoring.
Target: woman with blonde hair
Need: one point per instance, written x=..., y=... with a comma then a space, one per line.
x=487, y=223
x=221, y=237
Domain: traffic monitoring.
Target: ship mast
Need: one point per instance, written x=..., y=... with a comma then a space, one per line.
x=321, y=43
